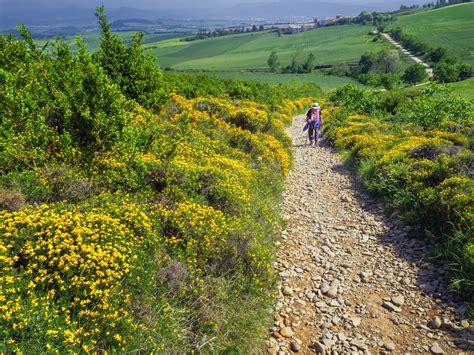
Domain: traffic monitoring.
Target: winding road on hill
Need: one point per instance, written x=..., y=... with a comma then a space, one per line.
x=351, y=280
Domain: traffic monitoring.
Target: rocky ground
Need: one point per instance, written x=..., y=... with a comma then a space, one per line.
x=351, y=279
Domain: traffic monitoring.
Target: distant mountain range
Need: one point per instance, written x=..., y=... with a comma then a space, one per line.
x=67, y=13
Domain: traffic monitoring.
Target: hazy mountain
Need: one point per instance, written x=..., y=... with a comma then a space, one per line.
x=68, y=12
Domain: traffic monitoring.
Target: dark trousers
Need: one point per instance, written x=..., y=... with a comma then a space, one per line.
x=313, y=131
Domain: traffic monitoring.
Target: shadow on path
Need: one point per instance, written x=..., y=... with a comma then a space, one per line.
x=431, y=279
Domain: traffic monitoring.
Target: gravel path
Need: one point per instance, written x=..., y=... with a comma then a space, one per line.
x=351, y=280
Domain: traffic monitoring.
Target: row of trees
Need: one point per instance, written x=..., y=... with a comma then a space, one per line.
x=204, y=33
x=381, y=68
x=439, y=3
x=300, y=63
x=376, y=68
x=446, y=67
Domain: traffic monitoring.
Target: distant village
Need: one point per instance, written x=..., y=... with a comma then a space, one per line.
x=286, y=28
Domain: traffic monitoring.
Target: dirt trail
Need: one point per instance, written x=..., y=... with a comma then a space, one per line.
x=351, y=280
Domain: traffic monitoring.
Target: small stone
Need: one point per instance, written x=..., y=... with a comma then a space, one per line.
x=398, y=300
x=359, y=343
x=295, y=347
x=341, y=336
x=355, y=321
x=462, y=309
x=324, y=288
x=436, y=349
x=319, y=348
x=328, y=343
x=326, y=325
x=287, y=332
x=287, y=291
x=389, y=346
x=465, y=323
x=346, y=198
x=435, y=323
x=391, y=307
x=332, y=292
x=273, y=350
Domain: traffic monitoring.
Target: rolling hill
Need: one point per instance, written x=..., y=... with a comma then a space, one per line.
x=451, y=27
x=330, y=45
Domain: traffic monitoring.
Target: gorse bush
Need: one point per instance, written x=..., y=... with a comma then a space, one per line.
x=421, y=161
x=133, y=219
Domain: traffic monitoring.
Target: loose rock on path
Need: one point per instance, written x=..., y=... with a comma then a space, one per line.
x=351, y=279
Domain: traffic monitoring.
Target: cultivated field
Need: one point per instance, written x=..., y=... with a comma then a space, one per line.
x=330, y=45
x=451, y=27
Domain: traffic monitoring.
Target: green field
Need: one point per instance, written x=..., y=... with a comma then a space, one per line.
x=464, y=88
x=91, y=39
x=326, y=82
x=330, y=45
x=451, y=27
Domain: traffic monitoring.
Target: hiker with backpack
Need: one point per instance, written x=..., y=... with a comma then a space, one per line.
x=314, y=122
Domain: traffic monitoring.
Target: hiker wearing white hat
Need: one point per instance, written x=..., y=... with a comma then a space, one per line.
x=314, y=121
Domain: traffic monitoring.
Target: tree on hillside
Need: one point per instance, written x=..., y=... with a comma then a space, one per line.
x=381, y=61
x=363, y=18
x=437, y=55
x=310, y=62
x=446, y=72
x=129, y=67
x=414, y=74
x=273, y=62
x=297, y=62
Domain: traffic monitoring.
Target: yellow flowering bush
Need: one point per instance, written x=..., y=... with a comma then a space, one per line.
x=181, y=200
x=249, y=118
x=62, y=273
x=198, y=235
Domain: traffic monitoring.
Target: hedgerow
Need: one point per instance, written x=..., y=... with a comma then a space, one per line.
x=129, y=221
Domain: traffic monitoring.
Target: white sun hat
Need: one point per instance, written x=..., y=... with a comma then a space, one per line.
x=315, y=105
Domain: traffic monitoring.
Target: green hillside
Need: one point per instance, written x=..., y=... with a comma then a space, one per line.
x=464, y=88
x=451, y=27
x=329, y=44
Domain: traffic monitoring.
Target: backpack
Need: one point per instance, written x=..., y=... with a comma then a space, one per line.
x=317, y=114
